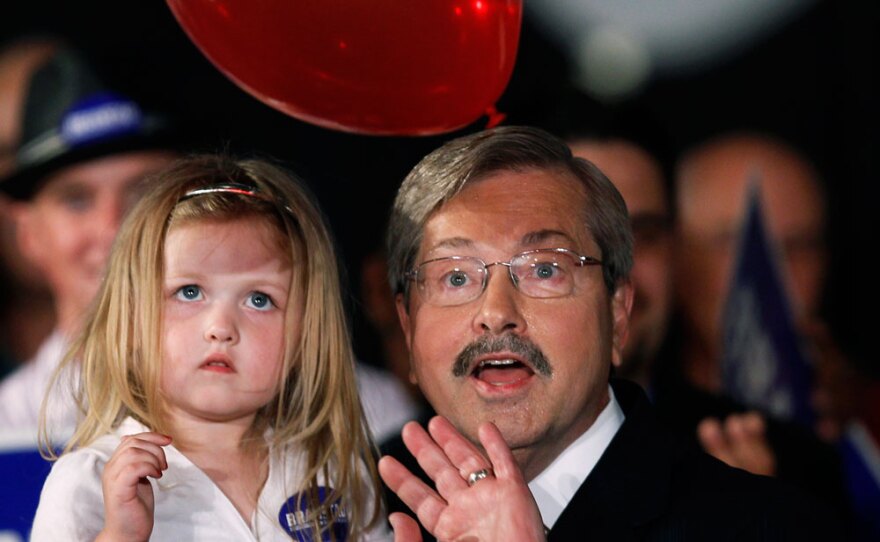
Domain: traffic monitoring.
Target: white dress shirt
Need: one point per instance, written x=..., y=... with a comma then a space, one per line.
x=558, y=483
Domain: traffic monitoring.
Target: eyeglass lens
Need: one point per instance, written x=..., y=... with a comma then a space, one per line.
x=454, y=281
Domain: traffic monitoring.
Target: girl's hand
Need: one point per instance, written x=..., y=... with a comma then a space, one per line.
x=498, y=506
x=128, y=497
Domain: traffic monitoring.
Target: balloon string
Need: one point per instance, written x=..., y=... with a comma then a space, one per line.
x=495, y=117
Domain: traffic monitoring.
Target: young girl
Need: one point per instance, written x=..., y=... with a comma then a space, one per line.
x=217, y=391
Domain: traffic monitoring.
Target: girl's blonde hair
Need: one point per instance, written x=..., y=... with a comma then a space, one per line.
x=119, y=350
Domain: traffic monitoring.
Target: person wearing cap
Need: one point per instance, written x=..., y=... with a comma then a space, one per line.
x=83, y=154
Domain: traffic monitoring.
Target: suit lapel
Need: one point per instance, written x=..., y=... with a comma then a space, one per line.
x=629, y=485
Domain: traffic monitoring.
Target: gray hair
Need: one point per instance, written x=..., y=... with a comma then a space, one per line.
x=444, y=173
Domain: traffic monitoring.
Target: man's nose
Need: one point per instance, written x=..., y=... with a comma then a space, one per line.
x=221, y=325
x=499, y=309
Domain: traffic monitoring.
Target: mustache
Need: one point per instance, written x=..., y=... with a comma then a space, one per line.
x=483, y=345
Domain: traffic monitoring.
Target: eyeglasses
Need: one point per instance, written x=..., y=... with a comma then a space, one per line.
x=455, y=280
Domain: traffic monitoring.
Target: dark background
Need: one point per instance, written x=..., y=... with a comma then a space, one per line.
x=812, y=82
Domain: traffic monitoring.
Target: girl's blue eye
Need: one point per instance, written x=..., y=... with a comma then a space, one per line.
x=190, y=292
x=260, y=301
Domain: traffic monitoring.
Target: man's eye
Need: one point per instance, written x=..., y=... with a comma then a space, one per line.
x=260, y=301
x=456, y=279
x=190, y=292
x=545, y=270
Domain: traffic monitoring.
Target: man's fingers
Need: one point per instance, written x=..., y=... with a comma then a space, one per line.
x=748, y=443
x=744, y=431
x=712, y=439
x=405, y=528
x=754, y=424
x=420, y=498
x=449, y=482
x=427, y=452
x=740, y=442
x=461, y=452
x=393, y=473
x=499, y=453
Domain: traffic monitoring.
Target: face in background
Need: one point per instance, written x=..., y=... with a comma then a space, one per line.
x=580, y=335
x=711, y=192
x=68, y=227
x=639, y=179
x=379, y=308
x=226, y=288
x=17, y=64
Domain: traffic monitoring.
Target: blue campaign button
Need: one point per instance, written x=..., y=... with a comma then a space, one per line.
x=300, y=522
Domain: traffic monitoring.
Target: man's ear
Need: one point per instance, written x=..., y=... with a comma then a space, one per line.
x=403, y=315
x=621, y=305
x=406, y=326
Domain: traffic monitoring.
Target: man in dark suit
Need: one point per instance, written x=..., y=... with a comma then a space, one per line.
x=510, y=260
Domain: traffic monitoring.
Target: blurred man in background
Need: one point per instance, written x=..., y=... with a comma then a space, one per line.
x=639, y=178
x=711, y=185
x=83, y=154
x=654, y=356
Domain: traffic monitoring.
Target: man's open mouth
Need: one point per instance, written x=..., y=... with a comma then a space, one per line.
x=501, y=371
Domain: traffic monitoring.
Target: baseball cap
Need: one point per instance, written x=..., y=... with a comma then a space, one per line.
x=71, y=116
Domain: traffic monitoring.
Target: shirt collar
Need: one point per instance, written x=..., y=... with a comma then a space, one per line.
x=558, y=483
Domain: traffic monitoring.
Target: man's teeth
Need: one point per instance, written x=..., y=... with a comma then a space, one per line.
x=497, y=362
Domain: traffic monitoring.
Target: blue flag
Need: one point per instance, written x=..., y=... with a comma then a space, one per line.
x=763, y=363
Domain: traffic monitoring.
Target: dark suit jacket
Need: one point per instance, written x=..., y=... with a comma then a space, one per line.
x=648, y=486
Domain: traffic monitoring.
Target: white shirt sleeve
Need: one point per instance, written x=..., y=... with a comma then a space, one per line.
x=72, y=503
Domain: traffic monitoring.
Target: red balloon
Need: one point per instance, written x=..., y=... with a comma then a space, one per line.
x=368, y=66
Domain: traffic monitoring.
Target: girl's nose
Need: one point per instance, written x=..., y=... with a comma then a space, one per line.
x=221, y=327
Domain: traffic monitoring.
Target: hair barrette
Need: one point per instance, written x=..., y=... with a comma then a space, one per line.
x=233, y=188
x=226, y=188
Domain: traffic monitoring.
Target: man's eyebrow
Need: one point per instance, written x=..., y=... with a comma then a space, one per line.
x=453, y=242
x=537, y=237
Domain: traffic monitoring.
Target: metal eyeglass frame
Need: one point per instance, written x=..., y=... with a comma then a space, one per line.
x=579, y=260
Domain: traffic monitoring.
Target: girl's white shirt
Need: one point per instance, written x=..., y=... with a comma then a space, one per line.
x=189, y=506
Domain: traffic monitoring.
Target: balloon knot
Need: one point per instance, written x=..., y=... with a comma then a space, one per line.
x=495, y=117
